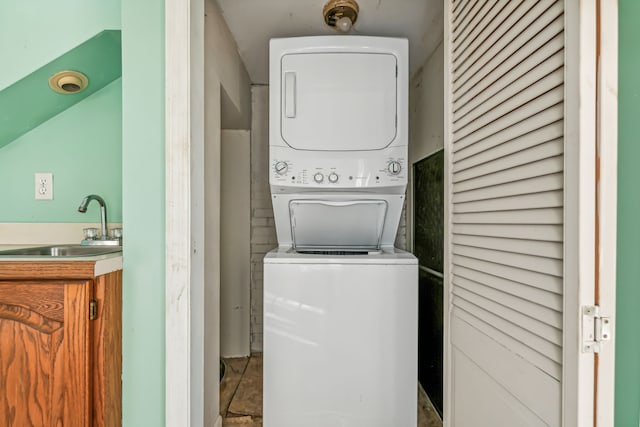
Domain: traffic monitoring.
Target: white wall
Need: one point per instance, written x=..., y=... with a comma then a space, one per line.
x=426, y=118
x=235, y=235
x=223, y=54
x=263, y=231
x=225, y=78
x=426, y=102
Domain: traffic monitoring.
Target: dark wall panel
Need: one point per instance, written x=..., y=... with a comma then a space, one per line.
x=428, y=205
x=430, y=323
x=428, y=193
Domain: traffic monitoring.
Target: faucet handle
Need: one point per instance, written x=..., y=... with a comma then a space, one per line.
x=90, y=233
x=116, y=233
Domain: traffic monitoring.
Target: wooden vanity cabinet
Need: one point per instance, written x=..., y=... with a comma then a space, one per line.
x=60, y=345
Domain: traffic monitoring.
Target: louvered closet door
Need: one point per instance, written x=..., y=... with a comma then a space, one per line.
x=506, y=125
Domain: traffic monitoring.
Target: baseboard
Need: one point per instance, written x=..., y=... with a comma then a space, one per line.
x=218, y=422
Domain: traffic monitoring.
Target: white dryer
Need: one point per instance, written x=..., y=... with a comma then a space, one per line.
x=338, y=135
x=340, y=303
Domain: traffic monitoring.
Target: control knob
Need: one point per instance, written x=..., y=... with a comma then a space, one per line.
x=333, y=177
x=281, y=168
x=394, y=167
x=318, y=177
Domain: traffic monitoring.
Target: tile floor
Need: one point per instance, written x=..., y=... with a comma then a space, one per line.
x=241, y=395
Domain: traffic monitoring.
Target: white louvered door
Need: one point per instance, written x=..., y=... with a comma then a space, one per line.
x=518, y=252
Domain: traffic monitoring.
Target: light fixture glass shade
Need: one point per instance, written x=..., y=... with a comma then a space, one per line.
x=344, y=24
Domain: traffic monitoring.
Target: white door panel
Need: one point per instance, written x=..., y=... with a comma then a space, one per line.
x=506, y=240
x=530, y=128
x=487, y=403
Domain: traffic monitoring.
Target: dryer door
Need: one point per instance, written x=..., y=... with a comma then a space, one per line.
x=338, y=101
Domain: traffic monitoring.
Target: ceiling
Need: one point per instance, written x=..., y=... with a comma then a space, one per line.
x=254, y=22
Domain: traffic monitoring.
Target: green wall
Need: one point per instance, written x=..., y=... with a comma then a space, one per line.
x=34, y=32
x=627, y=398
x=126, y=118
x=143, y=179
x=80, y=146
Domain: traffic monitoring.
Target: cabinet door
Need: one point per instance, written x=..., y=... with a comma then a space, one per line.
x=44, y=354
x=107, y=351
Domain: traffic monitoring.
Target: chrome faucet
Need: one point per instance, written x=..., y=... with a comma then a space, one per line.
x=104, y=238
x=103, y=211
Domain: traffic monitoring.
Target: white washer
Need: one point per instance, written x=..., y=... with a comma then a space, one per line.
x=340, y=340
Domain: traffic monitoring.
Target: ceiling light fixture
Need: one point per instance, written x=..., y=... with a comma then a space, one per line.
x=68, y=82
x=341, y=14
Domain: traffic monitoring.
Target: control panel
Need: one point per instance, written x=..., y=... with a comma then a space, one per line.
x=337, y=172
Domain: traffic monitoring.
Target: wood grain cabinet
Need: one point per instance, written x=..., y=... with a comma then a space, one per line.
x=60, y=345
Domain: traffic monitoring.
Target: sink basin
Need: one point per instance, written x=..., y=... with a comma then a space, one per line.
x=62, y=251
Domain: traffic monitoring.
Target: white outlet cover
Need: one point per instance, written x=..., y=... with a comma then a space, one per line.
x=43, y=186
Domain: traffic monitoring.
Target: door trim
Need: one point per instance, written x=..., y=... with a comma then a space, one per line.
x=607, y=146
x=578, y=379
x=184, y=258
x=591, y=130
x=447, y=398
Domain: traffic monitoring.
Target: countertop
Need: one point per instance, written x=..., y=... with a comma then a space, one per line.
x=102, y=264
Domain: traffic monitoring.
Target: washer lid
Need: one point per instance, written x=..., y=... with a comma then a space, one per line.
x=386, y=256
x=347, y=225
x=338, y=101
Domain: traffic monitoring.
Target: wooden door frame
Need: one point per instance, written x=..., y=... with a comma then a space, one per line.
x=184, y=213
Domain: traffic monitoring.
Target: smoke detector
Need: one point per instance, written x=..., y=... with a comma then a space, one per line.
x=68, y=82
x=341, y=14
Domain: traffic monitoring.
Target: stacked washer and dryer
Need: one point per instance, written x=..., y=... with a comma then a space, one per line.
x=340, y=302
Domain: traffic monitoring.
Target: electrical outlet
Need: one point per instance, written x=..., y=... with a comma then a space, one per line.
x=44, y=186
